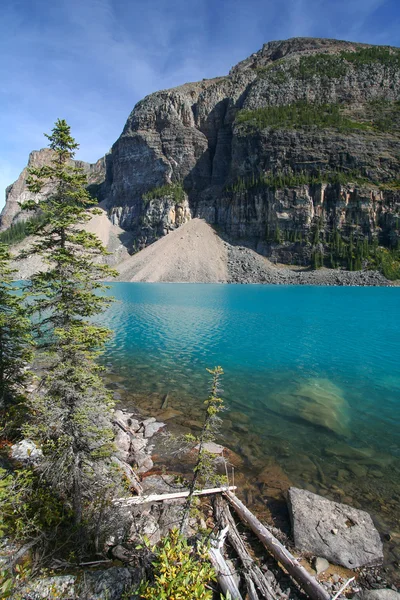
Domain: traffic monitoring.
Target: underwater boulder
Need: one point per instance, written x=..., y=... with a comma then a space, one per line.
x=317, y=401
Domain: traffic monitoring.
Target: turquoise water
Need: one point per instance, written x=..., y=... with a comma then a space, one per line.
x=312, y=371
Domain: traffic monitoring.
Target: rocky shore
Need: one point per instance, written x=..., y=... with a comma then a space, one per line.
x=345, y=545
x=246, y=266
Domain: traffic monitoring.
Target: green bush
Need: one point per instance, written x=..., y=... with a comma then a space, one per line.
x=27, y=506
x=181, y=571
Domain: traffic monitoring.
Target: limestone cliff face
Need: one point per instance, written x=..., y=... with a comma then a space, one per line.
x=18, y=192
x=192, y=134
x=331, y=158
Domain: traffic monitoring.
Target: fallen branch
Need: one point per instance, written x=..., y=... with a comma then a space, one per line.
x=14, y=558
x=174, y=496
x=130, y=474
x=164, y=403
x=309, y=584
x=225, y=578
x=344, y=586
x=255, y=578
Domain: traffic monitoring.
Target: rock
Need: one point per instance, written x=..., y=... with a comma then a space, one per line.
x=151, y=428
x=26, y=452
x=127, y=420
x=212, y=448
x=108, y=584
x=145, y=463
x=317, y=401
x=169, y=413
x=121, y=553
x=382, y=594
x=341, y=534
x=60, y=586
x=238, y=417
x=122, y=441
x=320, y=565
x=357, y=470
x=137, y=445
x=275, y=481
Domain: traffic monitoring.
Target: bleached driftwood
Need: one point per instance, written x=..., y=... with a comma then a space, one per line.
x=173, y=496
x=344, y=586
x=225, y=578
x=253, y=575
x=308, y=583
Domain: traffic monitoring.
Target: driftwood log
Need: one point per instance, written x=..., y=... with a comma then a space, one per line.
x=308, y=583
x=256, y=582
x=172, y=496
x=225, y=577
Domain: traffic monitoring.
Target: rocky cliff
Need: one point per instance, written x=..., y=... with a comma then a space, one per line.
x=18, y=192
x=295, y=152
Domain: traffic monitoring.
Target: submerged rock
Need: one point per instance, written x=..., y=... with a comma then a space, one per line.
x=341, y=534
x=274, y=480
x=317, y=401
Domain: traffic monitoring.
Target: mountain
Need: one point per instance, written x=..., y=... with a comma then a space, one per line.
x=18, y=192
x=296, y=153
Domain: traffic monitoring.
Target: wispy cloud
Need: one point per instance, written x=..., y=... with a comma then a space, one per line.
x=90, y=61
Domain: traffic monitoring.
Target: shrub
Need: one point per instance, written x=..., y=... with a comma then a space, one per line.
x=181, y=571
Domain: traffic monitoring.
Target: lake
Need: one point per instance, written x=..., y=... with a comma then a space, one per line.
x=311, y=382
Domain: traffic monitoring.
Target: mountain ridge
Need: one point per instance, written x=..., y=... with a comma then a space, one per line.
x=299, y=142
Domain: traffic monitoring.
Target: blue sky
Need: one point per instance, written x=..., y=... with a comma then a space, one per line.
x=90, y=61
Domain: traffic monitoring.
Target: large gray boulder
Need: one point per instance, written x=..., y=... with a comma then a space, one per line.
x=341, y=534
x=383, y=594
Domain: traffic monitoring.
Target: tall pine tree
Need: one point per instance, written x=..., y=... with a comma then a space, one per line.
x=72, y=411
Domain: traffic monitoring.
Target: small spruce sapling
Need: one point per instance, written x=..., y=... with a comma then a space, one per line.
x=204, y=469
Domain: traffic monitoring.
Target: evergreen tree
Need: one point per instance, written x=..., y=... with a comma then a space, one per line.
x=15, y=337
x=72, y=412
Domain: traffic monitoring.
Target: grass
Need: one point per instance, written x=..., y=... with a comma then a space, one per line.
x=297, y=116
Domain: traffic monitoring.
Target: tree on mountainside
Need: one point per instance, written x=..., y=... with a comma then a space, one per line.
x=71, y=411
x=15, y=338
